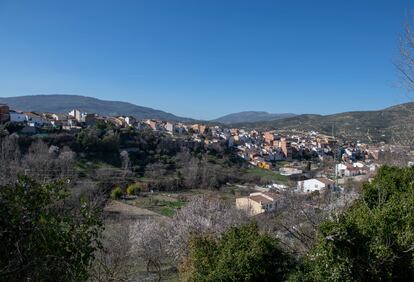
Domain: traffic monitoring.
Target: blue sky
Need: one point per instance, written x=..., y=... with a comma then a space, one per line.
x=204, y=59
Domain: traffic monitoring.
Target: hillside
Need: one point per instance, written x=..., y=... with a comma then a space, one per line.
x=251, y=116
x=64, y=103
x=392, y=124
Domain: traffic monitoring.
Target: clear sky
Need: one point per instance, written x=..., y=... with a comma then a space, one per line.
x=204, y=59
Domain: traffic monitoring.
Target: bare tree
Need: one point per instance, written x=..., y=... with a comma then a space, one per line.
x=126, y=163
x=149, y=244
x=405, y=67
x=49, y=163
x=200, y=215
x=165, y=241
x=10, y=157
x=114, y=262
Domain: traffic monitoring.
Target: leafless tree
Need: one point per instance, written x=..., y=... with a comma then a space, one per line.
x=200, y=215
x=157, y=242
x=10, y=157
x=114, y=261
x=126, y=163
x=46, y=163
x=149, y=244
x=405, y=67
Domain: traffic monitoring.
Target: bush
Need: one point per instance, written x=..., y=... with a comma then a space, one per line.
x=116, y=193
x=374, y=239
x=43, y=239
x=133, y=189
x=241, y=254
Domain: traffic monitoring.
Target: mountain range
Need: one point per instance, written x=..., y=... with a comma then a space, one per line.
x=394, y=124
x=59, y=103
x=251, y=116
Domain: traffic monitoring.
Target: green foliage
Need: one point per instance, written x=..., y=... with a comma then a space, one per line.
x=13, y=127
x=41, y=239
x=374, y=239
x=94, y=140
x=267, y=175
x=133, y=189
x=103, y=125
x=116, y=193
x=241, y=254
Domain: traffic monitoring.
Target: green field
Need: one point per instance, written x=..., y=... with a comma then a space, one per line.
x=161, y=203
x=268, y=175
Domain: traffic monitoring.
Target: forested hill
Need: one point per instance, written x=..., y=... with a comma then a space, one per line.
x=391, y=124
x=64, y=103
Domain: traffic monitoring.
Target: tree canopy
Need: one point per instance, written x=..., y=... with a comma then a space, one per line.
x=41, y=238
x=374, y=239
x=241, y=254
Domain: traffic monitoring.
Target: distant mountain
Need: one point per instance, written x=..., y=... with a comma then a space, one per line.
x=59, y=103
x=251, y=116
x=395, y=124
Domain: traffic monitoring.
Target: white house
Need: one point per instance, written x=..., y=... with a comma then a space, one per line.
x=60, y=117
x=34, y=119
x=287, y=171
x=17, y=116
x=76, y=114
x=315, y=184
x=169, y=127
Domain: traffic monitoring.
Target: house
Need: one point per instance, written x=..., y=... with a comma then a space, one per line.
x=286, y=147
x=257, y=203
x=169, y=127
x=130, y=120
x=269, y=137
x=76, y=114
x=127, y=120
x=16, y=116
x=60, y=117
x=315, y=184
x=287, y=171
x=4, y=113
x=34, y=119
x=348, y=170
x=199, y=128
x=153, y=124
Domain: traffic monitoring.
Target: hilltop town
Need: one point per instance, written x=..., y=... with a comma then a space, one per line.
x=304, y=162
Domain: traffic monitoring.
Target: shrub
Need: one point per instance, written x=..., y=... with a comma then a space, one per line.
x=43, y=239
x=133, y=189
x=373, y=240
x=116, y=193
x=241, y=254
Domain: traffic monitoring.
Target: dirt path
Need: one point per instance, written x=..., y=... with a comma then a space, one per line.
x=125, y=211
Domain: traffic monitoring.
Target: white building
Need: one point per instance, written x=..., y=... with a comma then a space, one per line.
x=287, y=171
x=34, y=119
x=76, y=114
x=169, y=127
x=17, y=116
x=315, y=184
